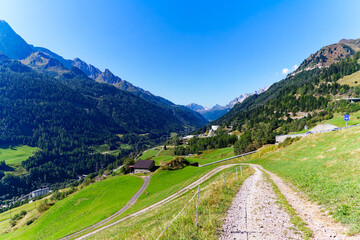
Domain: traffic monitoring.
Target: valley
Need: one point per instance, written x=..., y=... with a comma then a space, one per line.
x=112, y=151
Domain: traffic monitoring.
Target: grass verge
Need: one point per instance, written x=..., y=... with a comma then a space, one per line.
x=326, y=168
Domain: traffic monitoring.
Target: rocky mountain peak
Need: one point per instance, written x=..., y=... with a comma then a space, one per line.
x=88, y=69
x=11, y=44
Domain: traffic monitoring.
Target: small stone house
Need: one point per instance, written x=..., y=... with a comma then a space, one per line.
x=144, y=166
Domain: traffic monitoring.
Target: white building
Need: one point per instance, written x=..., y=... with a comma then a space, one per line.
x=215, y=127
x=39, y=192
x=188, y=137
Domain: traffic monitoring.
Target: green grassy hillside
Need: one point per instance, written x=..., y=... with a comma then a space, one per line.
x=148, y=154
x=338, y=119
x=326, y=167
x=212, y=155
x=15, y=155
x=84, y=208
x=351, y=80
x=214, y=202
x=166, y=182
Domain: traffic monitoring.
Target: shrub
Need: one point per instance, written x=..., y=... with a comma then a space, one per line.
x=288, y=141
x=29, y=222
x=12, y=223
x=43, y=206
x=174, y=164
x=56, y=196
x=23, y=213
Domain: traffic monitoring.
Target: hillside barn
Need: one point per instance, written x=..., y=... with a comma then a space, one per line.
x=144, y=166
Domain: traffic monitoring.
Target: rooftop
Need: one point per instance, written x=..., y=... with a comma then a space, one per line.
x=143, y=164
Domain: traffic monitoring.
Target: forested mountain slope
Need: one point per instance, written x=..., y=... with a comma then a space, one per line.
x=64, y=117
x=287, y=106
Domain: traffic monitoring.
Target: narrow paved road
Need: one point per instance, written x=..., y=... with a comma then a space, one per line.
x=121, y=211
x=166, y=200
x=255, y=213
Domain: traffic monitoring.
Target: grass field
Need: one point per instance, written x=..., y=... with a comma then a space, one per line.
x=326, y=167
x=13, y=156
x=213, y=204
x=105, y=148
x=164, y=183
x=351, y=80
x=338, y=119
x=148, y=154
x=84, y=208
x=212, y=155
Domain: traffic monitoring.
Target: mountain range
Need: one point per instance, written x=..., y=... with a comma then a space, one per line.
x=67, y=108
x=45, y=61
x=218, y=111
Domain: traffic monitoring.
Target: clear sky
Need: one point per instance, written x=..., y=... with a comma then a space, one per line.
x=207, y=52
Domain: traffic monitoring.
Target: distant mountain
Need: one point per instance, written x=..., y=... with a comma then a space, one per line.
x=11, y=44
x=67, y=115
x=109, y=78
x=195, y=107
x=330, y=54
x=45, y=61
x=91, y=71
x=218, y=111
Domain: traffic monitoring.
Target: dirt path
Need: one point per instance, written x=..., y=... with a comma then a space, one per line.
x=118, y=213
x=166, y=200
x=255, y=213
x=319, y=222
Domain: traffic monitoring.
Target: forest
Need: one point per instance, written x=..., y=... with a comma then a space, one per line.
x=67, y=117
x=260, y=117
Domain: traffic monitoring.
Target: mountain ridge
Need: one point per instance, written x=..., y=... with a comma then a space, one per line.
x=218, y=111
x=22, y=50
x=329, y=54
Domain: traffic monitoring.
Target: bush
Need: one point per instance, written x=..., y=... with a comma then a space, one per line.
x=23, y=213
x=288, y=141
x=29, y=222
x=174, y=164
x=43, y=206
x=56, y=196
x=87, y=181
x=12, y=223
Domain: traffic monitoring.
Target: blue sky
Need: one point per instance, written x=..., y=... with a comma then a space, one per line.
x=207, y=52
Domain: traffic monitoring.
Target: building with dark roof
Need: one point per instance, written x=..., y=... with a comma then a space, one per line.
x=144, y=166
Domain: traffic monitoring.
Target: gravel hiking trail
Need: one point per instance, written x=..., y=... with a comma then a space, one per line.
x=255, y=213
x=323, y=225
